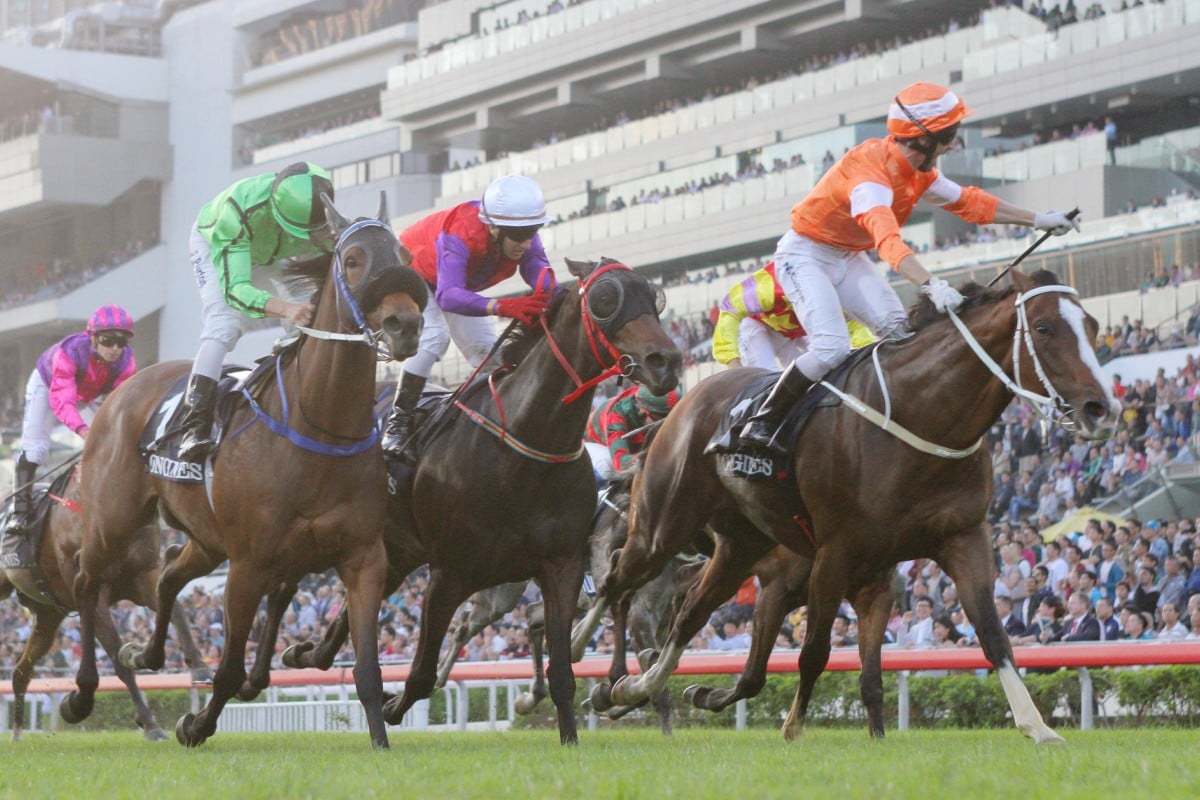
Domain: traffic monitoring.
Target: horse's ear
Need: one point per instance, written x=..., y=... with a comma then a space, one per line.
x=405, y=256
x=1020, y=280
x=337, y=223
x=580, y=269
x=381, y=215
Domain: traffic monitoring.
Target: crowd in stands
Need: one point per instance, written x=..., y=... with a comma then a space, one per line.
x=43, y=280
x=36, y=118
x=256, y=141
x=308, y=31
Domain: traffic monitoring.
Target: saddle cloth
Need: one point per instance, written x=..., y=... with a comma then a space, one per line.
x=160, y=439
x=19, y=553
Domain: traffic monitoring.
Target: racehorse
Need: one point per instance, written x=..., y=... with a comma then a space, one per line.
x=503, y=491
x=876, y=492
x=133, y=577
x=648, y=614
x=300, y=493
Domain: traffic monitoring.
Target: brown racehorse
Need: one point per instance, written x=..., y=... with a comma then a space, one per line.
x=504, y=493
x=300, y=488
x=874, y=499
x=133, y=577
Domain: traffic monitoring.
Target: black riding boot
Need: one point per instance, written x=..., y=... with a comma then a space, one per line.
x=20, y=521
x=761, y=429
x=399, y=426
x=199, y=398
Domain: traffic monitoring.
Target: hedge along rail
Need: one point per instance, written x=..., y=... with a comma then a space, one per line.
x=490, y=674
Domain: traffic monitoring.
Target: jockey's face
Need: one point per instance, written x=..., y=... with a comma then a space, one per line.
x=109, y=345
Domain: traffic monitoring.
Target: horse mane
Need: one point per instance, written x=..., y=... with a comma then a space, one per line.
x=306, y=278
x=522, y=338
x=922, y=313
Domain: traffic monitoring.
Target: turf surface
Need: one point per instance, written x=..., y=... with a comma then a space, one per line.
x=694, y=763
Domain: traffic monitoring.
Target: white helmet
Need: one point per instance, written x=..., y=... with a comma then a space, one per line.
x=513, y=201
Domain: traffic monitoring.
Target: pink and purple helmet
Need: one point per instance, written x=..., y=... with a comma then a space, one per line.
x=110, y=318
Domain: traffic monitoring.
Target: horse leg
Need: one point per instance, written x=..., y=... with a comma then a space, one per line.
x=365, y=580
x=643, y=630
x=560, y=590
x=46, y=620
x=775, y=599
x=320, y=655
x=77, y=706
x=187, y=643
x=873, y=603
x=826, y=589
x=443, y=595
x=260, y=673
x=192, y=562
x=535, y=618
x=106, y=632
x=243, y=592
x=489, y=605
x=738, y=547
x=581, y=634
x=967, y=558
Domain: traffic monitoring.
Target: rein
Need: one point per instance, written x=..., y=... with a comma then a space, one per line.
x=1044, y=405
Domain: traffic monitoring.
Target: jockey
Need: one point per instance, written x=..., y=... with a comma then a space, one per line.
x=859, y=205
x=616, y=430
x=238, y=239
x=757, y=326
x=460, y=252
x=69, y=383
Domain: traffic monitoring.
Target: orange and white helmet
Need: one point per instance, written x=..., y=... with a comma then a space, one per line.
x=923, y=109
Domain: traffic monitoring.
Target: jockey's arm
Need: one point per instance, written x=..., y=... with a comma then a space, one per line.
x=64, y=393
x=452, y=293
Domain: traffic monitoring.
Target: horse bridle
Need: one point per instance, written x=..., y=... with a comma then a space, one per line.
x=622, y=363
x=1048, y=405
x=365, y=335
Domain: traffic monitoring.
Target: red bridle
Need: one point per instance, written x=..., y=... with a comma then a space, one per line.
x=597, y=341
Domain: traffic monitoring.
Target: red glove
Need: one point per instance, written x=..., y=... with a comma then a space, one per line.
x=525, y=309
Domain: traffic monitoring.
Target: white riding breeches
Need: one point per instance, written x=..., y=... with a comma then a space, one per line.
x=39, y=419
x=829, y=283
x=222, y=325
x=762, y=346
x=474, y=337
x=602, y=461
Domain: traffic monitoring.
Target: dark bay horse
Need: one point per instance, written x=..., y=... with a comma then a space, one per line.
x=874, y=499
x=132, y=577
x=300, y=493
x=504, y=493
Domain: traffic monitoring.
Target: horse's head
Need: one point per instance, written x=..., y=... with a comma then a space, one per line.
x=1056, y=354
x=620, y=310
x=377, y=290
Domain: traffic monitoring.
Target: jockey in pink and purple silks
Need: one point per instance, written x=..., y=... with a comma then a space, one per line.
x=70, y=380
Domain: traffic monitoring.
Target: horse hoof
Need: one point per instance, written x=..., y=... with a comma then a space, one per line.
x=171, y=553
x=155, y=734
x=696, y=695
x=16, y=735
x=525, y=703
x=73, y=709
x=1047, y=736
x=293, y=657
x=248, y=692
x=791, y=733
x=185, y=732
x=392, y=713
x=129, y=655
x=625, y=692
x=646, y=658
x=601, y=698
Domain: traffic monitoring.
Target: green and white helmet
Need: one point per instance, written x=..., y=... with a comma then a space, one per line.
x=296, y=198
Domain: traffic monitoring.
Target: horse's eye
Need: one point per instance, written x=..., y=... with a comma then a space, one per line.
x=1043, y=329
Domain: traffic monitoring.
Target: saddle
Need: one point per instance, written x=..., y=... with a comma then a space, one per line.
x=161, y=437
x=432, y=414
x=19, y=553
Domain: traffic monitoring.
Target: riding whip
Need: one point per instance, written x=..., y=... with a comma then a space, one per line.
x=1070, y=215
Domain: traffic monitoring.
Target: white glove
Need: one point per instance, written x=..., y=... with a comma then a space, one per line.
x=1056, y=222
x=944, y=296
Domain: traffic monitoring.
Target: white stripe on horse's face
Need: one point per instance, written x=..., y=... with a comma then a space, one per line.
x=1073, y=313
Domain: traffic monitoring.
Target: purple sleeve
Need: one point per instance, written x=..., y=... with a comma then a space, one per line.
x=532, y=265
x=452, y=293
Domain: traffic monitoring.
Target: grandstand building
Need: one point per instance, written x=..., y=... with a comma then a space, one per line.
x=672, y=134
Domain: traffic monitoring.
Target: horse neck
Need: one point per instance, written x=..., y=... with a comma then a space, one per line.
x=331, y=384
x=532, y=396
x=955, y=398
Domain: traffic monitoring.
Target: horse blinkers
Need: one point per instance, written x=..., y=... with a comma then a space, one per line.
x=612, y=307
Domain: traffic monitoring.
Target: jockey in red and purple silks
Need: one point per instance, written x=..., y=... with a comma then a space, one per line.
x=460, y=252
